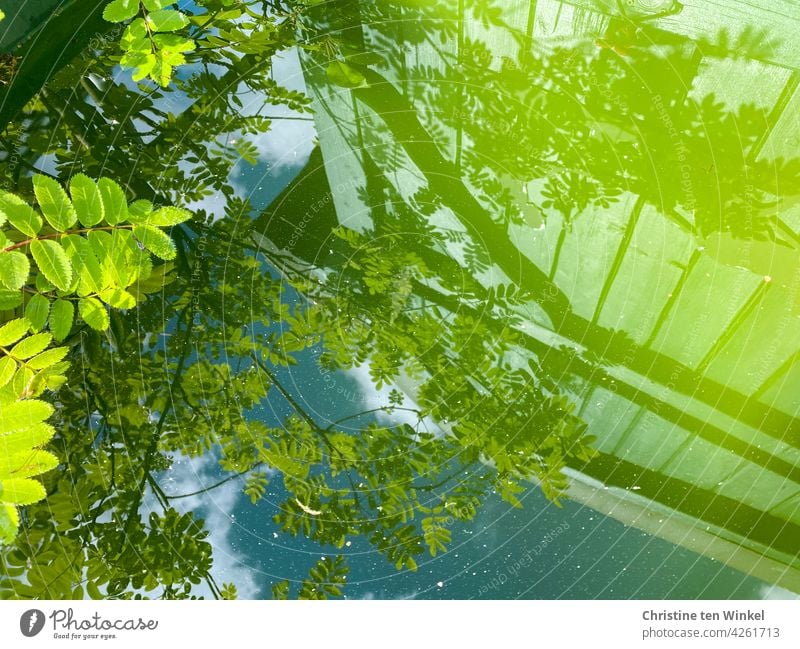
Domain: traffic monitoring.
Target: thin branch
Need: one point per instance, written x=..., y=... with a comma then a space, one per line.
x=385, y=409
x=216, y=485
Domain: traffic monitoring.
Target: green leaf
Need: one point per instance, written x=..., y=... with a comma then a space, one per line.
x=9, y=522
x=52, y=262
x=10, y=299
x=102, y=247
x=345, y=75
x=114, y=201
x=159, y=278
x=27, y=464
x=27, y=437
x=47, y=358
x=61, y=315
x=36, y=311
x=87, y=200
x=23, y=440
x=20, y=384
x=162, y=71
x=166, y=20
x=435, y=534
x=168, y=216
x=140, y=210
x=14, y=269
x=119, y=11
x=170, y=59
x=54, y=203
x=155, y=241
x=135, y=36
x=20, y=215
x=31, y=346
x=21, y=491
x=114, y=251
x=23, y=415
x=85, y=264
x=93, y=313
x=13, y=331
x=7, y=368
x=144, y=62
x=42, y=285
x=118, y=298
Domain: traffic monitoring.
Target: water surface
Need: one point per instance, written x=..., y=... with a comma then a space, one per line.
x=506, y=308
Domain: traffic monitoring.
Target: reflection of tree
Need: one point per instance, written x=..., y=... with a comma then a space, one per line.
x=574, y=124
x=188, y=393
x=180, y=374
x=444, y=148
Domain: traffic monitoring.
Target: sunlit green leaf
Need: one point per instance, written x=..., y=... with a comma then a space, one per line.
x=36, y=311
x=81, y=254
x=168, y=216
x=9, y=522
x=7, y=368
x=31, y=346
x=47, y=358
x=21, y=491
x=155, y=5
x=166, y=20
x=118, y=298
x=115, y=204
x=140, y=210
x=27, y=464
x=86, y=199
x=13, y=330
x=155, y=241
x=52, y=262
x=144, y=63
x=61, y=317
x=121, y=10
x=93, y=313
x=21, y=415
x=54, y=203
x=19, y=214
x=135, y=36
x=10, y=299
x=174, y=43
x=14, y=269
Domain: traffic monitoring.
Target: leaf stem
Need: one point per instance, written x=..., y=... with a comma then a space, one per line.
x=55, y=235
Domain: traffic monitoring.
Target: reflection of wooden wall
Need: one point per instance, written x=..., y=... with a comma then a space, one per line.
x=681, y=297
x=731, y=453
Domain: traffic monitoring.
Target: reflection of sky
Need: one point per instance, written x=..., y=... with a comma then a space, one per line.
x=540, y=551
x=284, y=149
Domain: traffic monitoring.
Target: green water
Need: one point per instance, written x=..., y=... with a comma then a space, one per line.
x=510, y=310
